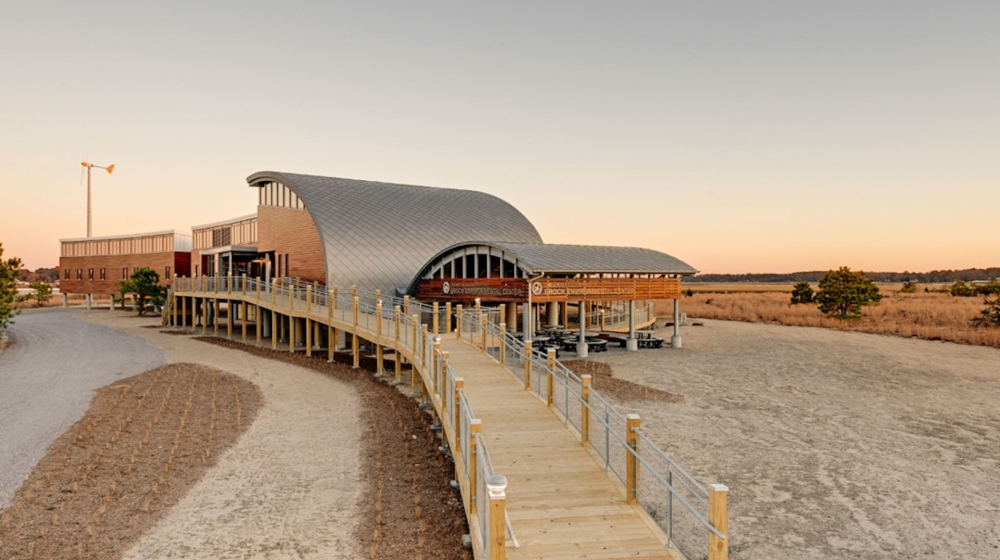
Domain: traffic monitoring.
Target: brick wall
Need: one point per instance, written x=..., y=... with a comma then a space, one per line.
x=292, y=232
x=179, y=263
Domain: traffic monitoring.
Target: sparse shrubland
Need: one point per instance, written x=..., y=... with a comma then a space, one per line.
x=929, y=315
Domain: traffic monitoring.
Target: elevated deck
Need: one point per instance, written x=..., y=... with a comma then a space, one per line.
x=565, y=496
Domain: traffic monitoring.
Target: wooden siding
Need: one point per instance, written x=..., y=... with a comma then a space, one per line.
x=292, y=232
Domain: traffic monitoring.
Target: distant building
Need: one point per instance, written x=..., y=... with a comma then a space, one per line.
x=97, y=265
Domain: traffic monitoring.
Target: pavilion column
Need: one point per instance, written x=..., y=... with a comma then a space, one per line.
x=581, y=345
x=526, y=330
x=552, y=314
x=631, y=344
x=675, y=341
x=511, y=318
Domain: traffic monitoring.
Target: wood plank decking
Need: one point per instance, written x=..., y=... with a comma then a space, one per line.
x=561, y=503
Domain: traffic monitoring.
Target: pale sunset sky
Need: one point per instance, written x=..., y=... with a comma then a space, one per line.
x=748, y=136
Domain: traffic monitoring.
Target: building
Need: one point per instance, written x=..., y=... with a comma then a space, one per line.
x=433, y=244
x=97, y=265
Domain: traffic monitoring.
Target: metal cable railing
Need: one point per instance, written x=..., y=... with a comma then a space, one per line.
x=663, y=484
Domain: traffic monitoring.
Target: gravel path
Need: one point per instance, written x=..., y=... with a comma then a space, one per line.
x=47, y=378
x=835, y=445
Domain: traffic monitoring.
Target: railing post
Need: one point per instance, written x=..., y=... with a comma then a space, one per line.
x=482, y=331
x=551, y=365
x=632, y=424
x=291, y=296
x=496, y=485
x=458, y=321
x=527, y=365
x=406, y=305
x=415, y=341
x=447, y=317
x=585, y=382
x=435, y=320
x=379, y=356
x=309, y=298
x=257, y=325
x=424, y=358
x=435, y=368
x=503, y=342
x=456, y=416
x=602, y=318
x=445, y=357
x=475, y=428
x=331, y=333
x=274, y=330
x=718, y=517
x=333, y=297
x=378, y=294
x=229, y=282
x=399, y=350
x=355, y=340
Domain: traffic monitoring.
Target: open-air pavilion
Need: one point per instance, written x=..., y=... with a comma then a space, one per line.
x=540, y=282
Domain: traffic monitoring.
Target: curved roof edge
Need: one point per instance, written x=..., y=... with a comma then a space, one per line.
x=378, y=235
x=538, y=258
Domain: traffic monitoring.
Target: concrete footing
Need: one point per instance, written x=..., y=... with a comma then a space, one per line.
x=581, y=350
x=632, y=344
x=675, y=341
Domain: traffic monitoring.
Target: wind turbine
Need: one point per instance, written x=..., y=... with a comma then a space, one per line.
x=89, y=166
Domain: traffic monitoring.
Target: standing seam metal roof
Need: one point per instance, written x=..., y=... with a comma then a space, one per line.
x=379, y=235
x=535, y=258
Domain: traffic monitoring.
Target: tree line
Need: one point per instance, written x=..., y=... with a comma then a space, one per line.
x=934, y=276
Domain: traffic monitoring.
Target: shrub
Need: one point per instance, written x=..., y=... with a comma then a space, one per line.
x=8, y=289
x=843, y=292
x=990, y=316
x=42, y=292
x=909, y=288
x=961, y=289
x=802, y=292
x=991, y=288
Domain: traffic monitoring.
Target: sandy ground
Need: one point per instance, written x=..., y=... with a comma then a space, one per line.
x=834, y=444
x=47, y=378
x=290, y=485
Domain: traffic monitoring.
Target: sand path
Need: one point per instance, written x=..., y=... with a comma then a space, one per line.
x=288, y=488
x=836, y=445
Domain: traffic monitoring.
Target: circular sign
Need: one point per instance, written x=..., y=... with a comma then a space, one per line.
x=537, y=288
x=446, y=287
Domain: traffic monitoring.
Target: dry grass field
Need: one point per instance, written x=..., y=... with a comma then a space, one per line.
x=142, y=444
x=930, y=316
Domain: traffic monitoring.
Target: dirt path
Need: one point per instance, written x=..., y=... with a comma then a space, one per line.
x=289, y=488
x=47, y=378
x=835, y=445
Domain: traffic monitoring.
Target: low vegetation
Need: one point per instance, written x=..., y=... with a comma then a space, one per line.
x=927, y=315
x=8, y=288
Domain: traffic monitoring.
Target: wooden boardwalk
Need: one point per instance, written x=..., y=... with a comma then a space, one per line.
x=560, y=502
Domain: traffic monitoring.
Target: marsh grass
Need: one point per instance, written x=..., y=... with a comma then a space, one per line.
x=930, y=316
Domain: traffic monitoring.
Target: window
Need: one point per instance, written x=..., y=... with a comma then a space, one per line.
x=279, y=266
x=196, y=270
x=90, y=274
x=104, y=275
x=66, y=274
x=79, y=274
x=168, y=273
x=125, y=273
x=288, y=268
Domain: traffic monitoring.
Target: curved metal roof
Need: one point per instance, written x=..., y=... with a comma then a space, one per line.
x=535, y=258
x=378, y=235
